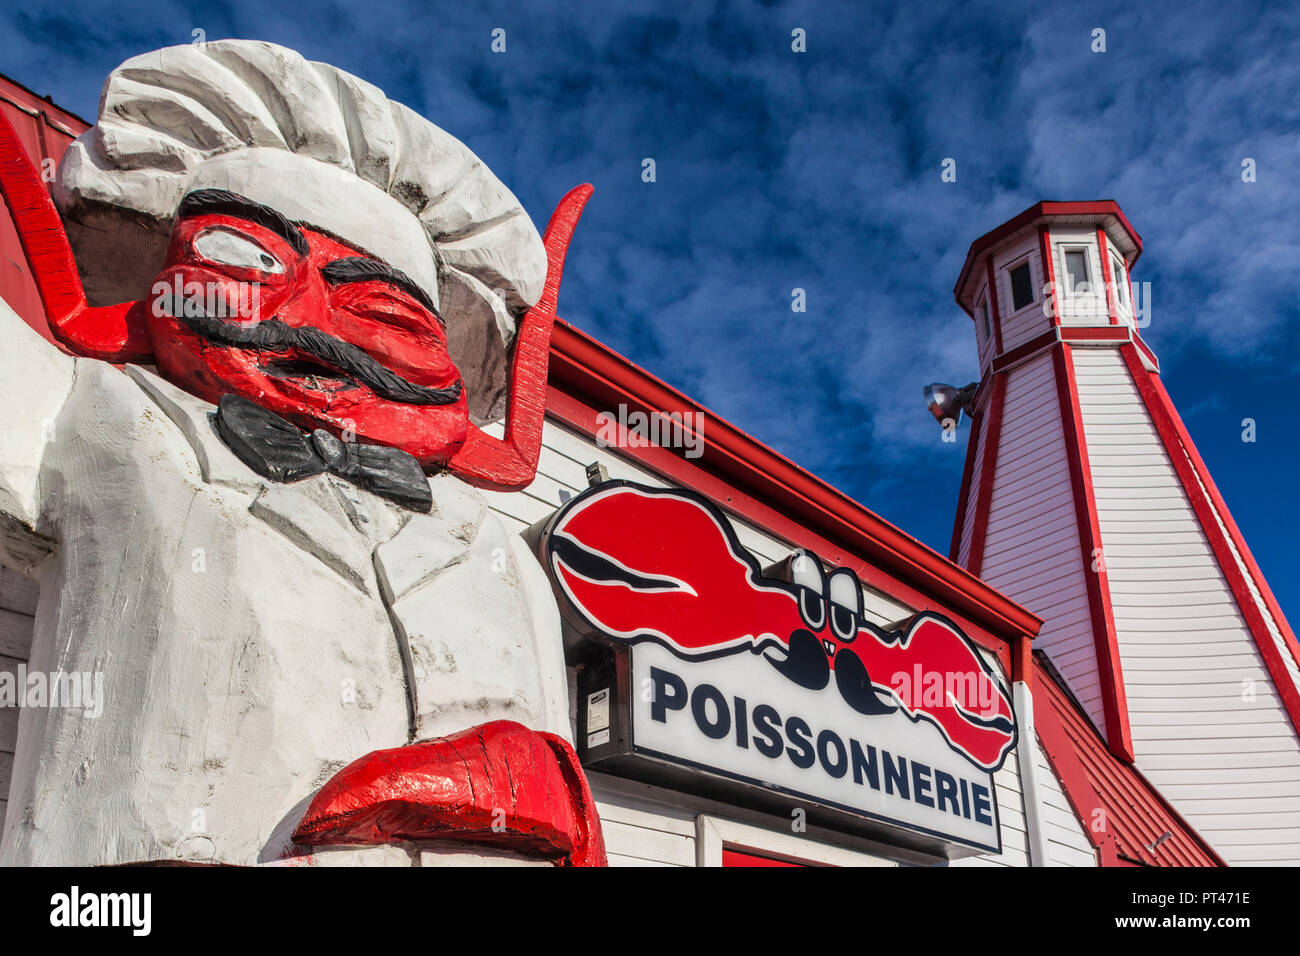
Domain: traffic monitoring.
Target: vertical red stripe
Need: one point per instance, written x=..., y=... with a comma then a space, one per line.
x=1114, y=699
x=972, y=449
x=993, y=431
x=993, y=304
x=1049, y=271
x=1103, y=249
x=1182, y=453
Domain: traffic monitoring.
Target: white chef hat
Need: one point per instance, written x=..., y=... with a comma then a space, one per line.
x=320, y=146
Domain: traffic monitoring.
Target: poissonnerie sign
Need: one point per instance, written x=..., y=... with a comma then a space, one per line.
x=773, y=682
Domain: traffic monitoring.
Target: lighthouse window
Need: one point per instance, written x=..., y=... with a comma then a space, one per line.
x=1121, y=286
x=983, y=311
x=1076, y=270
x=1022, y=287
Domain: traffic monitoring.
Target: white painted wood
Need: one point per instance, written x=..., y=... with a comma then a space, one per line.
x=1080, y=308
x=17, y=593
x=1032, y=551
x=618, y=859
x=1032, y=782
x=644, y=843
x=198, y=596
x=1030, y=322
x=17, y=604
x=1186, y=652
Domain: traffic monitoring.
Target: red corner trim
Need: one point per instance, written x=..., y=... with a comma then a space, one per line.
x=972, y=448
x=1119, y=736
x=993, y=303
x=1049, y=271
x=1206, y=503
x=1059, y=750
x=40, y=230
x=1108, y=277
x=1023, y=664
x=992, y=438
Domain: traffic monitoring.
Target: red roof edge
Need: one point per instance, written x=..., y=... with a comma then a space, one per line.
x=1042, y=210
x=32, y=103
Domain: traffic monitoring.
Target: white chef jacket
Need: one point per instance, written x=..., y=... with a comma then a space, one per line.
x=253, y=637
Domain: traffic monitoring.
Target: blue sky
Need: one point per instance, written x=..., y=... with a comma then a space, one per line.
x=821, y=171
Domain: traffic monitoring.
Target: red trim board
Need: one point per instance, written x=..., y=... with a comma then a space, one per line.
x=1114, y=699
x=1103, y=251
x=972, y=449
x=993, y=305
x=984, y=500
x=1049, y=271
x=1187, y=463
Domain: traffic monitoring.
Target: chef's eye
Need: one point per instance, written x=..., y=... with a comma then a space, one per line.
x=231, y=249
x=843, y=623
x=846, y=603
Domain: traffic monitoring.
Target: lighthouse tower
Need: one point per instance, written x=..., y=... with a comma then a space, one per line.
x=1085, y=500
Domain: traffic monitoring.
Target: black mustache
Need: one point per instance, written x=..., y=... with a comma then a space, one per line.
x=273, y=335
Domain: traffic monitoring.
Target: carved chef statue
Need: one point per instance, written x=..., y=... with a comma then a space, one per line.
x=248, y=499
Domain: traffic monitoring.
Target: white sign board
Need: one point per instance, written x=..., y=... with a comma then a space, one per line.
x=737, y=718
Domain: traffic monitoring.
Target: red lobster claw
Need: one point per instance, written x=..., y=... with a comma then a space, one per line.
x=936, y=675
x=643, y=562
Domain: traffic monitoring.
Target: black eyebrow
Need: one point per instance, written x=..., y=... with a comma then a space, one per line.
x=360, y=269
x=204, y=202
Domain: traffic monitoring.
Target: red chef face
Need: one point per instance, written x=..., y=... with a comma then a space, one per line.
x=305, y=326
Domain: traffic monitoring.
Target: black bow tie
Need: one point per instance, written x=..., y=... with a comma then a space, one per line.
x=279, y=450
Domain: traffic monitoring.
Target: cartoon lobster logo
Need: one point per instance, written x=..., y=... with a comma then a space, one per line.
x=663, y=564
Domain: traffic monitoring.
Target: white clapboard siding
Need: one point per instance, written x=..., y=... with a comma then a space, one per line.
x=641, y=830
x=1032, y=552
x=1030, y=322
x=1011, y=806
x=1080, y=308
x=1067, y=841
x=17, y=605
x=1292, y=665
x=1185, y=649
